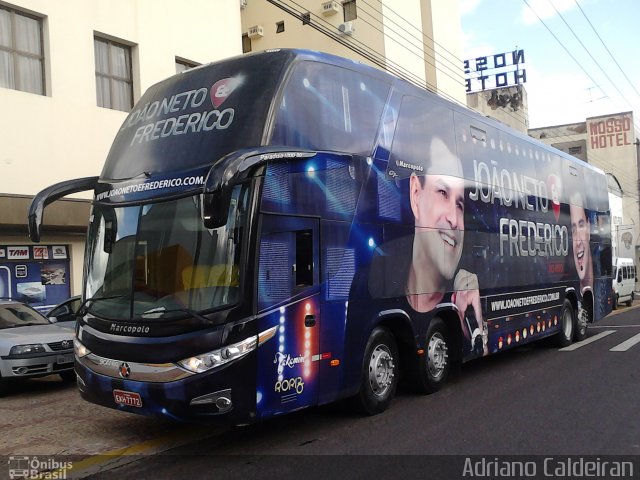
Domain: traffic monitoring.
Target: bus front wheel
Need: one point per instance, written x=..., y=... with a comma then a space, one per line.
x=567, y=324
x=435, y=364
x=379, y=378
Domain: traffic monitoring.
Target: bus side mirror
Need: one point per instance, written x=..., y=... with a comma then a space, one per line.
x=215, y=208
x=51, y=194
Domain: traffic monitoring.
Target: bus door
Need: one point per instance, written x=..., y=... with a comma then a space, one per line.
x=289, y=299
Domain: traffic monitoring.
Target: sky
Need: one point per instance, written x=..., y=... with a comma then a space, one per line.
x=572, y=76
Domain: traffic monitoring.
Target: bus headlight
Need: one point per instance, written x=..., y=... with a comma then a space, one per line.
x=207, y=361
x=79, y=349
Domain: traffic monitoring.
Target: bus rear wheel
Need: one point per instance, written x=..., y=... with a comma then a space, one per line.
x=434, y=367
x=567, y=325
x=585, y=315
x=379, y=377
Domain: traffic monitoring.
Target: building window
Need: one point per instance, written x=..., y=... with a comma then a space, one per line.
x=21, y=58
x=279, y=27
x=246, y=43
x=350, y=11
x=114, y=83
x=182, y=64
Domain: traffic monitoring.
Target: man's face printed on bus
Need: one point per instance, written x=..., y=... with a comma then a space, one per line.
x=580, y=231
x=437, y=201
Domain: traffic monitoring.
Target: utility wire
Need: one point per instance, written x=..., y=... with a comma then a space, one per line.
x=588, y=52
x=381, y=61
x=565, y=48
x=607, y=49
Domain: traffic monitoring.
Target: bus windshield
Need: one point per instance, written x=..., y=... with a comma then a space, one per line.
x=158, y=261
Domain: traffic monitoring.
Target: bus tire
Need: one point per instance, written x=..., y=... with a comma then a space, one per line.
x=582, y=321
x=615, y=301
x=630, y=301
x=564, y=337
x=434, y=366
x=379, y=377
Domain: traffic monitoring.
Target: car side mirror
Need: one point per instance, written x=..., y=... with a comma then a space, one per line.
x=53, y=319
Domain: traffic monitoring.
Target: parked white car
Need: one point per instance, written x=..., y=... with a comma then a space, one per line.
x=624, y=281
x=31, y=345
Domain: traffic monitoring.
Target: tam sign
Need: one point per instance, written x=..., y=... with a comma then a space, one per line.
x=17, y=253
x=494, y=71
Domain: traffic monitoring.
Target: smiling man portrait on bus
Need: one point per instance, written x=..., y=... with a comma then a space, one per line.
x=422, y=268
x=437, y=203
x=581, y=236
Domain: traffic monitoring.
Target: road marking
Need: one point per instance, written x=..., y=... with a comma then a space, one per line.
x=116, y=458
x=613, y=326
x=626, y=345
x=589, y=340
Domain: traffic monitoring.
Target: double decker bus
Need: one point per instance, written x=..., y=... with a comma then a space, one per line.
x=289, y=228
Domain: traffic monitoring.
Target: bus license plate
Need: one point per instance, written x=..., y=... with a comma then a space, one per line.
x=68, y=358
x=130, y=399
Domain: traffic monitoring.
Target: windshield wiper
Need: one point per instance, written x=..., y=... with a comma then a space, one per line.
x=84, y=308
x=159, y=312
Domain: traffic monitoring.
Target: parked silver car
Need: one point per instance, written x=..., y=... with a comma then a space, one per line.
x=31, y=345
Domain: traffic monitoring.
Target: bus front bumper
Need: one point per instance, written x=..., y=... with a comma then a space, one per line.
x=225, y=395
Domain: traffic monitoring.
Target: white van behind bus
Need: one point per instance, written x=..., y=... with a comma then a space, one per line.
x=624, y=281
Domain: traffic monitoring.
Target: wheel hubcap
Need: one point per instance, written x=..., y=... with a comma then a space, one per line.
x=437, y=355
x=381, y=368
x=567, y=324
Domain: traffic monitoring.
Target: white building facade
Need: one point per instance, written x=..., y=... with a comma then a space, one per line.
x=70, y=71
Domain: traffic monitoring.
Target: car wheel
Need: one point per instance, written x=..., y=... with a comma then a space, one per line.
x=567, y=324
x=630, y=301
x=68, y=375
x=379, y=377
x=615, y=301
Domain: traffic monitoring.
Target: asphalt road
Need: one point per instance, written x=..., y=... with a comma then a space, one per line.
x=534, y=400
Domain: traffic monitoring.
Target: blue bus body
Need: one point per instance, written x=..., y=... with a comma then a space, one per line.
x=253, y=243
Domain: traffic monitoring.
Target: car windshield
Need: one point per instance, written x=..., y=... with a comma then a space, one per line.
x=18, y=315
x=158, y=261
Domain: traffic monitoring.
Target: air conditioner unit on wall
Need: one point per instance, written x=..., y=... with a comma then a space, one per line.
x=256, y=31
x=346, y=28
x=330, y=8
